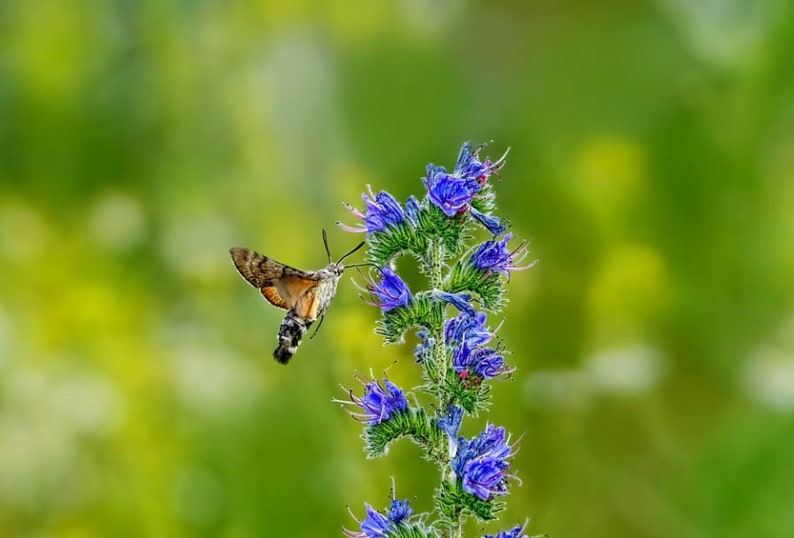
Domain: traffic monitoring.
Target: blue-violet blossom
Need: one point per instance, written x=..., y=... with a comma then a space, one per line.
x=491, y=223
x=494, y=256
x=377, y=525
x=484, y=362
x=379, y=402
x=467, y=328
x=398, y=510
x=450, y=424
x=481, y=463
x=453, y=192
x=383, y=211
x=516, y=532
x=391, y=292
x=461, y=301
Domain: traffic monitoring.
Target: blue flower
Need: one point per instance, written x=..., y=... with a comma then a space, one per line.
x=461, y=301
x=467, y=328
x=379, y=402
x=516, y=532
x=391, y=292
x=412, y=209
x=469, y=165
x=481, y=463
x=450, y=424
x=488, y=363
x=425, y=345
x=491, y=223
x=494, y=256
x=450, y=193
x=377, y=525
x=484, y=362
x=398, y=510
x=485, y=477
x=383, y=211
x=453, y=192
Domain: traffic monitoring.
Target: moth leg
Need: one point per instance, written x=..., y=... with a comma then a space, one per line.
x=317, y=327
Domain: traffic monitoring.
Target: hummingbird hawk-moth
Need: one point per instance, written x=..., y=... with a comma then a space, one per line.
x=304, y=294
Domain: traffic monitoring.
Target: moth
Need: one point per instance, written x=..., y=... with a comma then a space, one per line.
x=305, y=295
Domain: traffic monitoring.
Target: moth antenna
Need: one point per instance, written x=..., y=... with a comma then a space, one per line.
x=367, y=264
x=349, y=253
x=325, y=242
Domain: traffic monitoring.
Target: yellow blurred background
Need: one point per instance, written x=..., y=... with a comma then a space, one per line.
x=651, y=164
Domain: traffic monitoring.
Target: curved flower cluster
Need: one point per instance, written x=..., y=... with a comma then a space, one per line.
x=481, y=463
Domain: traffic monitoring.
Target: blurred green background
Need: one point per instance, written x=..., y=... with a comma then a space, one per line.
x=652, y=166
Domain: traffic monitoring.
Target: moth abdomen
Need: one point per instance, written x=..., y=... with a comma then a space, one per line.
x=289, y=336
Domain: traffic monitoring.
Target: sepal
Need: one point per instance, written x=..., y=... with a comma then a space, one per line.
x=422, y=311
x=487, y=285
x=452, y=501
x=468, y=391
x=412, y=423
x=395, y=241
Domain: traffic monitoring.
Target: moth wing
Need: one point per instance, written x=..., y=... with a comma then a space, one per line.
x=280, y=284
x=272, y=296
x=292, y=287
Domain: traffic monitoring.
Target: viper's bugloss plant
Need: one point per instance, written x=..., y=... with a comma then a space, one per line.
x=455, y=351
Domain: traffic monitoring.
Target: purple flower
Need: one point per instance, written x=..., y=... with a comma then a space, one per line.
x=391, y=292
x=484, y=362
x=481, y=463
x=375, y=525
x=450, y=424
x=412, y=209
x=469, y=165
x=453, y=193
x=424, y=346
x=467, y=328
x=398, y=510
x=379, y=402
x=485, y=477
x=461, y=301
x=491, y=223
x=383, y=211
x=450, y=193
x=488, y=363
x=494, y=256
x=516, y=532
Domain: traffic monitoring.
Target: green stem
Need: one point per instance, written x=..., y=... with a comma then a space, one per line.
x=437, y=265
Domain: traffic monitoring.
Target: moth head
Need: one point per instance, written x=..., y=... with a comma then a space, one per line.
x=336, y=267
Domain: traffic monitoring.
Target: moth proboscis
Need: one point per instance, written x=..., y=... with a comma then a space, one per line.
x=305, y=295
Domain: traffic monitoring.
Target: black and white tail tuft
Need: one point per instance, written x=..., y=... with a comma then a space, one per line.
x=289, y=336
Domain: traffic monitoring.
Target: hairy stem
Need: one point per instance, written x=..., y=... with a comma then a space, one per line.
x=437, y=265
